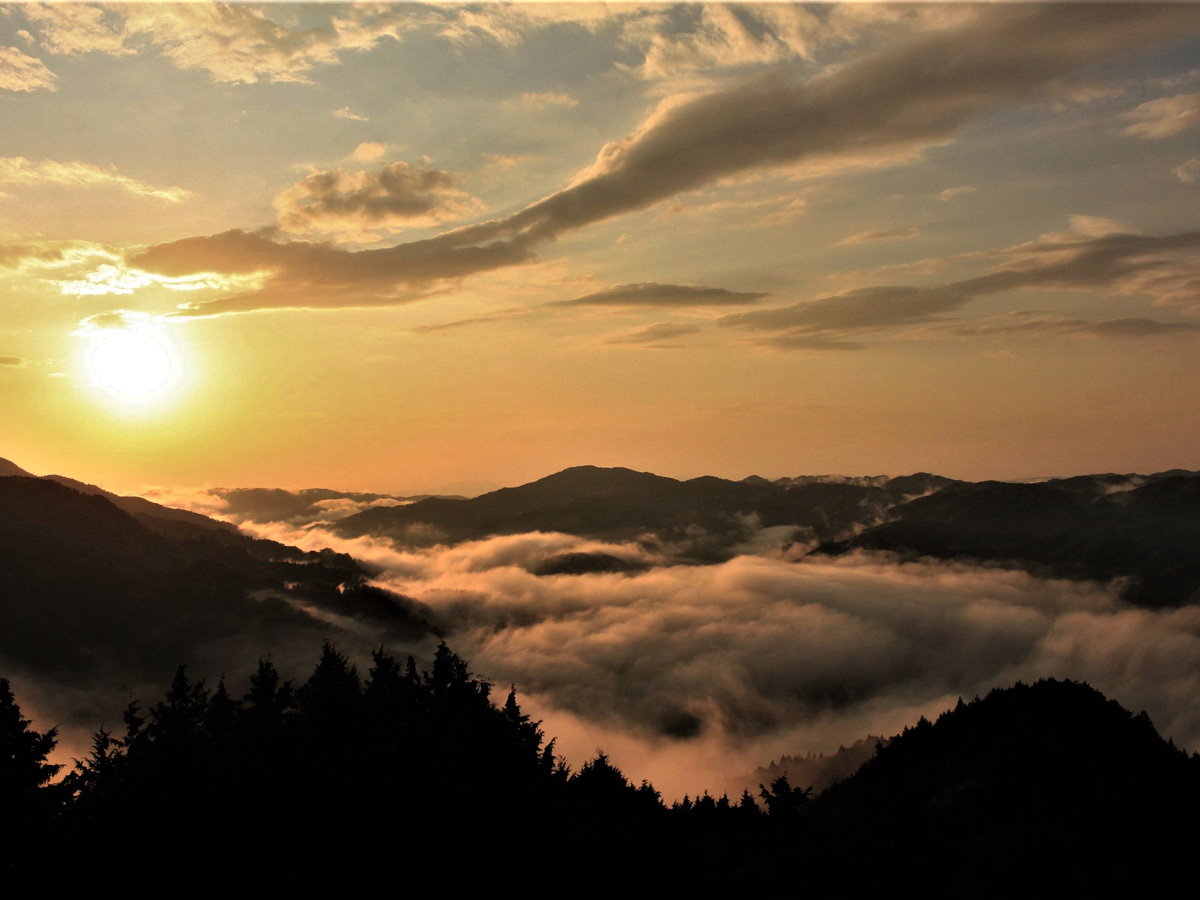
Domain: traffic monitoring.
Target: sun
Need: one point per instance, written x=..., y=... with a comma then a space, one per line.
x=133, y=364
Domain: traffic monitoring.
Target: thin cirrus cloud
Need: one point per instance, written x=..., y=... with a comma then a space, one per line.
x=1188, y=172
x=891, y=104
x=1035, y=323
x=18, y=171
x=652, y=294
x=890, y=234
x=1163, y=118
x=22, y=73
x=656, y=335
x=1164, y=268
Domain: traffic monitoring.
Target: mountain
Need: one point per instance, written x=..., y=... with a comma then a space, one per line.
x=703, y=518
x=153, y=515
x=1047, y=784
x=91, y=594
x=1143, y=528
x=10, y=468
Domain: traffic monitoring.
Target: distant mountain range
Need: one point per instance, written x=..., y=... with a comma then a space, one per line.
x=1145, y=529
x=93, y=584
x=700, y=520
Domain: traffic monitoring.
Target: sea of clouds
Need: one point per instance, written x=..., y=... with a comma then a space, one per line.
x=692, y=675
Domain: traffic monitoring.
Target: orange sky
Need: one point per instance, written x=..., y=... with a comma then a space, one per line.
x=398, y=247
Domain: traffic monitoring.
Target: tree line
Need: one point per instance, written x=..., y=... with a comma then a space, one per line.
x=423, y=768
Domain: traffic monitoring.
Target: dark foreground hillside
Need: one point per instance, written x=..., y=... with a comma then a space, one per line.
x=422, y=773
x=91, y=592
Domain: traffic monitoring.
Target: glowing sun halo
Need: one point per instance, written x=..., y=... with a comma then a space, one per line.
x=133, y=365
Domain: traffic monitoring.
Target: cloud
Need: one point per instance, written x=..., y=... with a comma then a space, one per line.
x=806, y=342
x=1137, y=328
x=1037, y=324
x=396, y=196
x=650, y=294
x=368, y=151
x=71, y=29
x=691, y=674
x=655, y=335
x=547, y=100
x=19, y=171
x=952, y=192
x=1164, y=268
x=1188, y=172
x=1164, y=117
x=86, y=268
x=345, y=113
x=318, y=275
x=232, y=43
x=11, y=361
x=859, y=309
x=706, y=36
x=22, y=73
x=889, y=105
x=497, y=316
x=21, y=254
x=891, y=234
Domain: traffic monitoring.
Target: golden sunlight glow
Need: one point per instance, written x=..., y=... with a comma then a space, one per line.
x=134, y=364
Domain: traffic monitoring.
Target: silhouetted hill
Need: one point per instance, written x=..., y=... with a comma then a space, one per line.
x=702, y=518
x=1046, y=784
x=154, y=515
x=11, y=468
x=85, y=587
x=1096, y=526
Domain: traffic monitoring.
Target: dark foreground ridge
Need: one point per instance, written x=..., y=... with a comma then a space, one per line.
x=1048, y=783
x=90, y=591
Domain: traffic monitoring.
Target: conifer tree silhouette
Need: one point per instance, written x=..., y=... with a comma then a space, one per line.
x=29, y=803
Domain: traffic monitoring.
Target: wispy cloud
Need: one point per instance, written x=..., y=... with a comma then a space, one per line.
x=657, y=335
x=547, y=100
x=890, y=234
x=651, y=294
x=19, y=171
x=1033, y=323
x=890, y=104
x=1164, y=117
x=230, y=42
x=1165, y=268
x=1188, y=172
x=951, y=192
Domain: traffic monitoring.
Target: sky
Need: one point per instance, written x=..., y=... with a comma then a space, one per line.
x=391, y=247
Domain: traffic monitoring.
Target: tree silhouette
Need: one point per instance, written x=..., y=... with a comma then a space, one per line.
x=29, y=803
